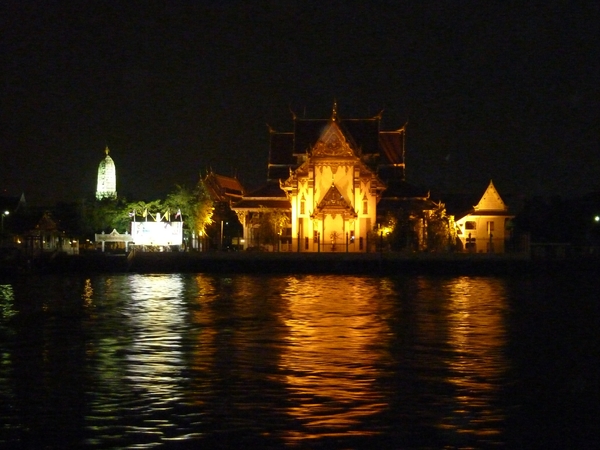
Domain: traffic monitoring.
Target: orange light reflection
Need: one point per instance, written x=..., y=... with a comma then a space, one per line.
x=331, y=355
x=477, y=336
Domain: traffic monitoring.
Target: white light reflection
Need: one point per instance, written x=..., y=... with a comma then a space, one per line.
x=157, y=316
x=331, y=356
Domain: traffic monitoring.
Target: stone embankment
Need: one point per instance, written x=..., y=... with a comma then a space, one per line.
x=296, y=263
x=251, y=262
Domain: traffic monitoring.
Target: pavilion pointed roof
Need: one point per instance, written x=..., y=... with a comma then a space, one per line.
x=490, y=201
x=490, y=204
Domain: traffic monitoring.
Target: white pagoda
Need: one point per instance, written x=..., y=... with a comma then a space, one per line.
x=107, y=178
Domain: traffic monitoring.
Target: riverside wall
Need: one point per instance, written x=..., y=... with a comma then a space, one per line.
x=257, y=263
x=307, y=263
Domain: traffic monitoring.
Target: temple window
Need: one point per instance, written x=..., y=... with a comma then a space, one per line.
x=470, y=225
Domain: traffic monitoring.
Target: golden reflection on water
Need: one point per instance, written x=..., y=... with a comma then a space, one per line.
x=204, y=338
x=477, y=338
x=88, y=294
x=325, y=356
x=330, y=358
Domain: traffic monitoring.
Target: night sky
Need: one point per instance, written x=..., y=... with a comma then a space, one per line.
x=505, y=90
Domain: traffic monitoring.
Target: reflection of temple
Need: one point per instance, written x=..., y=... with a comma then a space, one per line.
x=477, y=338
x=326, y=178
x=107, y=178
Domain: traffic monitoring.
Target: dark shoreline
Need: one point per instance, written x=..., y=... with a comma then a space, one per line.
x=307, y=263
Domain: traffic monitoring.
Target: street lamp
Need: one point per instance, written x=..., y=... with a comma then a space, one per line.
x=5, y=213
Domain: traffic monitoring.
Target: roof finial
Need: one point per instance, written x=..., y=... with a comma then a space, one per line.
x=293, y=113
x=334, y=112
x=106, y=150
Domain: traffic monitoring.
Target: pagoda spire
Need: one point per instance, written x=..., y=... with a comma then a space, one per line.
x=334, y=112
x=107, y=178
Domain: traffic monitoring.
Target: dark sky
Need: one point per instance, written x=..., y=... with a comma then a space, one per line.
x=505, y=90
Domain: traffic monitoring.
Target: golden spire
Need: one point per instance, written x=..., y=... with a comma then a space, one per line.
x=106, y=150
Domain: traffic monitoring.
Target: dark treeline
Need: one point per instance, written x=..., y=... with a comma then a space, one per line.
x=561, y=220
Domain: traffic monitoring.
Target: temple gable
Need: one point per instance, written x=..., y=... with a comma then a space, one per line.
x=332, y=143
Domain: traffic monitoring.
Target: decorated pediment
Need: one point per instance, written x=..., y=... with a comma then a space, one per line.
x=332, y=143
x=334, y=202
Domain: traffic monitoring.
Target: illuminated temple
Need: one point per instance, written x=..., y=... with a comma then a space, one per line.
x=333, y=179
x=107, y=178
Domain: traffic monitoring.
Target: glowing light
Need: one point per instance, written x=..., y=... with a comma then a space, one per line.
x=107, y=178
x=4, y=214
x=597, y=219
x=157, y=233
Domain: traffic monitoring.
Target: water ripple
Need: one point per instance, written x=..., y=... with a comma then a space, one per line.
x=139, y=361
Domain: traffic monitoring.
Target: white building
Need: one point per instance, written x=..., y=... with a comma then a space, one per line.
x=486, y=227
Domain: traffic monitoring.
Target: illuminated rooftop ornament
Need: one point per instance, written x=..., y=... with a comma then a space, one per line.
x=107, y=178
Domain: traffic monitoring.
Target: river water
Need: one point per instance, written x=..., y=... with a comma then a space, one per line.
x=247, y=361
